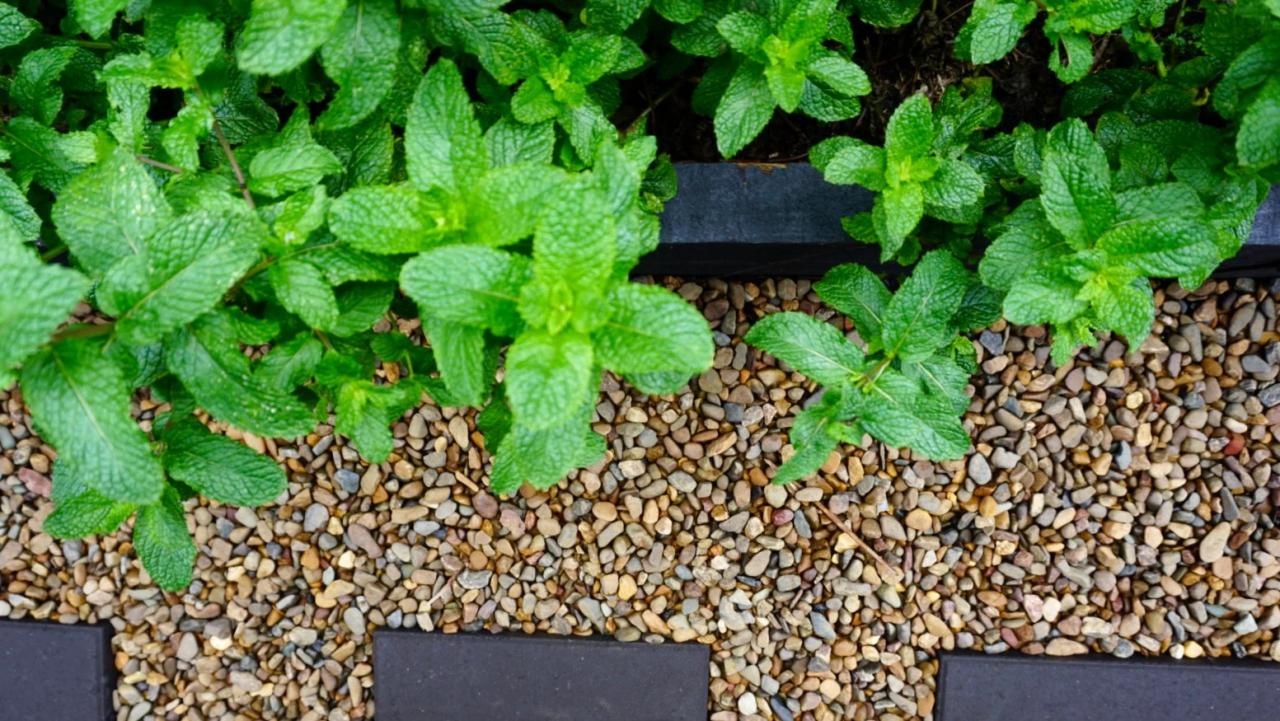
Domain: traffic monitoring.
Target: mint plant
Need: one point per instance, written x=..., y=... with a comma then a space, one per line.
x=904, y=384
x=240, y=227
x=920, y=170
x=779, y=59
x=994, y=27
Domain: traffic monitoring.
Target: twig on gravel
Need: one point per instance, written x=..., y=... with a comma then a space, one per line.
x=888, y=573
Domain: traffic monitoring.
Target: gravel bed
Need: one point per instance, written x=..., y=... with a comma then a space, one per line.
x=1122, y=505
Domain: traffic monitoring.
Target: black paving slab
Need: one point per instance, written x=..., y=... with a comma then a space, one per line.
x=55, y=672
x=1013, y=687
x=750, y=220
x=511, y=677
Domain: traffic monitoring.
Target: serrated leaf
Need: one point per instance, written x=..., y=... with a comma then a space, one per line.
x=35, y=89
x=163, y=544
x=744, y=30
x=812, y=443
x=910, y=131
x=360, y=306
x=80, y=404
x=302, y=289
x=839, y=75
x=1072, y=56
x=1164, y=247
x=342, y=263
x=43, y=154
x=575, y=240
x=108, y=211
x=207, y=359
x=281, y=34
x=856, y=163
x=361, y=57
x=1258, y=140
x=897, y=212
x=743, y=110
x=995, y=29
x=470, y=285
x=510, y=142
x=443, y=143
x=543, y=457
x=186, y=267
x=507, y=203
x=96, y=16
x=218, y=467
x=855, y=291
x=282, y=170
x=37, y=298
x=812, y=347
x=956, y=185
x=1025, y=241
x=1044, y=293
x=650, y=329
x=364, y=411
x=14, y=26
x=86, y=514
x=1127, y=308
x=1075, y=184
x=548, y=377
x=896, y=412
x=392, y=219
x=289, y=364
x=460, y=353
x=917, y=321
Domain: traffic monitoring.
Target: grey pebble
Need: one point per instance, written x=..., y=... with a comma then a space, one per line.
x=349, y=480
x=315, y=518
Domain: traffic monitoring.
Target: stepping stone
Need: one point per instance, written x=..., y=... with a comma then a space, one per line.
x=55, y=672
x=1011, y=687
x=481, y=677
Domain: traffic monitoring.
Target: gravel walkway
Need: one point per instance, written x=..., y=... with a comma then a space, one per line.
x=1122, y=505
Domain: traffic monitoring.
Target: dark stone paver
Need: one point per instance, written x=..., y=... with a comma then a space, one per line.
x=974, y=687
x=751, y=220
x=481, y=677
x=55, y=672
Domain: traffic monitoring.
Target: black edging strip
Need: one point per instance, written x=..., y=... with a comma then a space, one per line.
x=744, y=220
x=513, y=677
x=1013, y=687
x=55, y=672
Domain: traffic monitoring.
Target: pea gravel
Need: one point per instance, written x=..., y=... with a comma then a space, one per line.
x=1123, y=505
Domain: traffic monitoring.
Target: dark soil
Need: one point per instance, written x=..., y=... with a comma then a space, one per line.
x=917, y=57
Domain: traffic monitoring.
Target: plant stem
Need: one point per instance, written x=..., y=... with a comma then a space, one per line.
x=83, y=330
x=53, y=252
x=159, y=164
x=890, y=573
x=235, y=166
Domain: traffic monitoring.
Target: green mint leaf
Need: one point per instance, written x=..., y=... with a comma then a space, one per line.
x=282, y=170
x=342, y=263
x=548, y=377
x=13, y=203
x=392, y=219
x=1127, y=308
x=187, y=265
x=80, y=404
x=651, y=329
x=917, y=321
x=1072, y=57
x=302, y=289
x=1076, y=184
x=469, y=285
x=163, y=544
x=743, y=110
x=1044, y=293
x=96, y=16
x=37, y=298
x=895, y=411
x=1025, y=240
x=14, y=26
x=575, y=241
x=745, y=31
x=208, y=360
x=510, y=142
x=443, y=144
x=1258, y=140
x=613, y=15
x=910, y=131
x=360, y=306
x=887, y=13
x=679, y=11
x=461, y=354
x=43, y=154
x=218, y=467
x=897, y=212
x=859, y=294
x=361, y=58
x=1164, y=200
x=289, y=364
x=812, y=442
x=108, y=211
x=1164, y=247
x=281, y=34
x=507, y=202
x=364, y=411
x=86, y=514
x=941, y=378
x=956, y=185
x=812, y=347
x=857, y=163
x=543, y=457
x=994, y=28
x=839, y=75
x=35, y=88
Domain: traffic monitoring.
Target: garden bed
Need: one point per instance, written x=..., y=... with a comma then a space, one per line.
x=739, y=220
x=1120, y=505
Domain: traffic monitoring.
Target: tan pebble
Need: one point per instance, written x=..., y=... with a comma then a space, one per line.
x=919, y=520
x=626, y=588
x=1065, y=647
